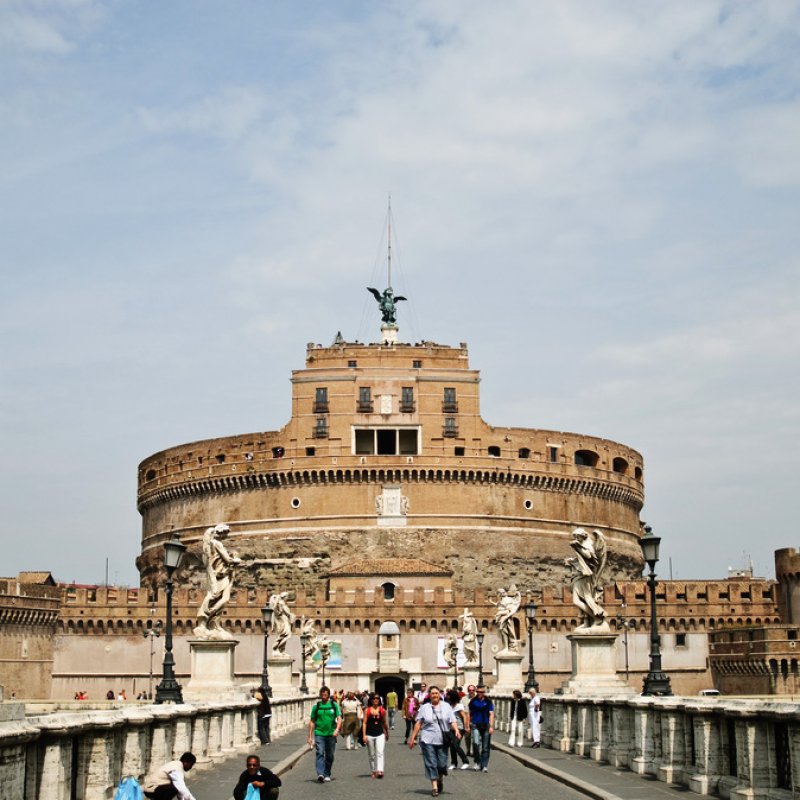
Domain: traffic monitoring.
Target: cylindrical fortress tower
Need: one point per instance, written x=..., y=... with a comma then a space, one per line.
x=386, y=456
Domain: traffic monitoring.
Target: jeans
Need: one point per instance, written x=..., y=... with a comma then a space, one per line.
x=434, y=756
x=326, y=748
x=375, y=747
x=456, y=750
x=409, y=728
x=392, y=712
x=263, y=729
x=481, y=746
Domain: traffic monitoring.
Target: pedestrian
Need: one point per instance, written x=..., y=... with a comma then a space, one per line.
x=110, y=694
x=376, y=734
x=323, y=728
x=264, y=715
x=169, y=780
x=266, y=781
x=434, y=724
x=481, y=723
x=422, y=694
x=535, y=717
x=391, y=706
x=410, y=706
x=462, y=723
x=518, y=713
x=351, y=716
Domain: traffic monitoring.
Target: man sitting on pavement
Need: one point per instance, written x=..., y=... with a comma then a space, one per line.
x=169, y=780
x=266, y=781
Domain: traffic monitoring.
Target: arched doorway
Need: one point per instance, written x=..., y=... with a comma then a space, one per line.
x=386, y=683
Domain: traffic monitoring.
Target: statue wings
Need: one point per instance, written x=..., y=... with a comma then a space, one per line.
x=378, y=295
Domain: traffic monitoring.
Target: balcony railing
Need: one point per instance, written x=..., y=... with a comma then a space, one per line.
x=450, y=432
x=365, y=406
x=321, y=432
x=450, y=408
x=407, y=407
x=321, y=407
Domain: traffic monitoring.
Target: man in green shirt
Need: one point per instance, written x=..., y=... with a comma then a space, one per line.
x=391, y=706
x=323, y=728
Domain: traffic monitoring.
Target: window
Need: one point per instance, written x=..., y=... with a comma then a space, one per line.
x=365, y=399
x=552, y=453
x=321, y=400
x=620, y=465
x=416, y=365
x=310, y=451
x=388, y=592
x=386, y=441
x=494, y=451
x=352, y=364
x=458, y=451
x=220, y=458
x=791, y=636
x=524, y=452
x=150, y=475
x=449, y=404
x=450, y=428
x=637, y=473
x=586, y=458
x=321, y=429
x=407, y=400
x=277, y=452
x=680, y=640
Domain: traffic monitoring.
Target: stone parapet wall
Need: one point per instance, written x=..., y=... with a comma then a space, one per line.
x=58, y=752
x=731, y=748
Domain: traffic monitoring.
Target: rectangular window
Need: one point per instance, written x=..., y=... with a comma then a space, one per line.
x=408, y=442
x=352, y=364
x=449, y=404
x=321, y=400
x=680, y=640
x=458, y=451
x=365, y=399
x=321, y=429
x=386, y=441
x=553, y=454
x=416, y=365
x=407, y=400
x=450, y=427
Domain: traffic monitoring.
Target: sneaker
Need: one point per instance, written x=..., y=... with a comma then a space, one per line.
x=476, y=767
x=464, y=766
x=485, y=769
x=452, y=766
x=328, y=778
x=320, y=778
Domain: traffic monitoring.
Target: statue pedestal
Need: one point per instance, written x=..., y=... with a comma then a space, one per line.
x=389, y=333
x=471, y=675
x=594, y=665
x=212, y=671
x=280, y=675
x=509, y=672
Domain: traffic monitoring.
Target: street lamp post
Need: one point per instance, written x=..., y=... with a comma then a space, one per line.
x=169, y=690
x=480, y=637
x=324, y=659
x=530, y=615
x=152, y=634
x=266, y=689
x=656, y=682
x=303, y=651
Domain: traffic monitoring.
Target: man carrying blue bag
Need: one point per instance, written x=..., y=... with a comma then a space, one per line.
x=256, y=782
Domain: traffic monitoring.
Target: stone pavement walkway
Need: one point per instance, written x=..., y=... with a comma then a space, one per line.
x=513, y=773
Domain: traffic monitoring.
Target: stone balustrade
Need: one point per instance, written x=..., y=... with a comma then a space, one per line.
x=83, y=753
x=731, y=748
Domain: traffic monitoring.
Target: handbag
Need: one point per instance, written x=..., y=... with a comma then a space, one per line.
x=448, y=738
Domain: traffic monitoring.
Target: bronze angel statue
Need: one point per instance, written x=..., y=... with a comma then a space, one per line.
x=387, y=304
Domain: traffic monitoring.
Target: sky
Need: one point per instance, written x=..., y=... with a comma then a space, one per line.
x=600, y=198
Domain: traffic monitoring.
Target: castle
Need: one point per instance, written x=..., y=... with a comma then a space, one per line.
x=386, y=500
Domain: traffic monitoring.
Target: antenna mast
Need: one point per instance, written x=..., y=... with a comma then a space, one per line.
x=389, y=239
